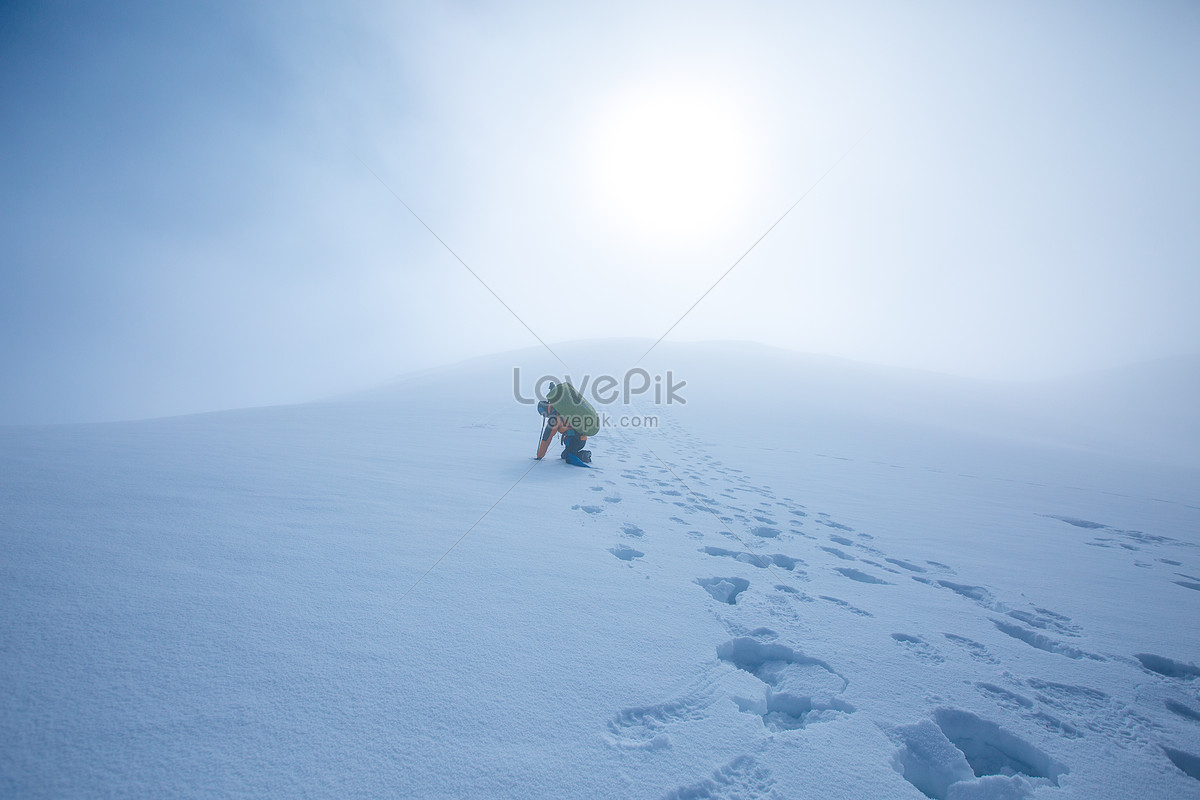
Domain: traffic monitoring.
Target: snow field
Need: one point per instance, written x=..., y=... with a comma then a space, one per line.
x=828, y=604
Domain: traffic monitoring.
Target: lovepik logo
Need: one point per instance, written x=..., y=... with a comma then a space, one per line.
x=607, y=389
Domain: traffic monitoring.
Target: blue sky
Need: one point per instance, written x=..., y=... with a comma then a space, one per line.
x=185, y=223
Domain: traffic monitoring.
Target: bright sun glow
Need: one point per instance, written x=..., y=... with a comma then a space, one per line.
x=672, y=163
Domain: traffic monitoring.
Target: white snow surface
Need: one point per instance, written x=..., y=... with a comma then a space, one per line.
x=815, y=579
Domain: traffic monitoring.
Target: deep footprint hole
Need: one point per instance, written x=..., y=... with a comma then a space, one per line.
x=959, y=748
x=1187, y=763
x=724, y=590
x=798, y=689
x=991, y=750
x=625, y=553
x=1168, y=667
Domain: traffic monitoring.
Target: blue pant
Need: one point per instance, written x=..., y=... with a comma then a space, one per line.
x=572, y=443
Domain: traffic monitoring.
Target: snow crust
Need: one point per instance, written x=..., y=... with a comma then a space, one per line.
x=814, y=579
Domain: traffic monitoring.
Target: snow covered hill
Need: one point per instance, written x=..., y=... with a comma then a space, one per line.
x=812, y=579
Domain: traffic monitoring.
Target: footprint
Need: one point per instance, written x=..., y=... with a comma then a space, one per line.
x=1135, y=536
x=647, y=727
x=630, y=529
x=799, y=690
x=1148, y=538
x=860, y=576
x=1078, y=523
x=833, y=551
x=1188, y=764
x=724, y=590
x=787, y=562
x=1070, y=697
x=746, y=558
x=588, y=509
x=1047, y=612
x=990, y=750
x=760, y=561
x=976, y=650
x=1046, y=619
x=845, y=605
x=957, y=747
x=1042, y=642
x=1005, y=698
x=611, y=499
x=625, y=553
x=919, y=647
x=740, y=778
x=1168, y=666
x=799, y=595
x=1056, y=725
x=765, y=531
x=1023, y=705
x=977, y=593
x=905, y=565
x=881, y=566
x=928, y=759
x=1182, y=710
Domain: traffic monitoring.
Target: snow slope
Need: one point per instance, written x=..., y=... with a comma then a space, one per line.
x=815, y=579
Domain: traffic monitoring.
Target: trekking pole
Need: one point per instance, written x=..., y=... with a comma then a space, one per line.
x=542, y=434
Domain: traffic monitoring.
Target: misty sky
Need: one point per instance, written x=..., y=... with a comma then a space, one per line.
x=186, y=222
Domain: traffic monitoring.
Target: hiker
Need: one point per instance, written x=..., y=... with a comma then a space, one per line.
x=572, y=439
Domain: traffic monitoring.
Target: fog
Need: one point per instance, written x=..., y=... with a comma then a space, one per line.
x=205, y=207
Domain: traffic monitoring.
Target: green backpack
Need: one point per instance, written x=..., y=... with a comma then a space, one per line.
x=574, y=409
